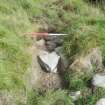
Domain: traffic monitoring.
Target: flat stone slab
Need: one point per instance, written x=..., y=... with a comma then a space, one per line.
x=49, y=61
x=99, y=80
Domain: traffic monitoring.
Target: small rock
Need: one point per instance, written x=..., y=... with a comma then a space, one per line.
x=85, y=63
x=75, y=95
x=64, y=61
x=99, y=80
x=58, y=50
x=49, y=61
x=50, y=38
x=96, y=58
x=101, y=102
x=50, y=46
x=81, y=65
x=58, y=40
x=41, y=44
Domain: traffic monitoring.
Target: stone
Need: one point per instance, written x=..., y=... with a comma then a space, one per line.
x=96, y=57
x=64, y=61
x=85, y=63
x=38, y=78
x=101, y=102
x=58, y=50
x=58, y=40
x=50, y=46
x=99, y=80
x=50, y=81
x=40, y=44
x=50, y=38
x=48, y=61
x=75, y=95
x=81, y=65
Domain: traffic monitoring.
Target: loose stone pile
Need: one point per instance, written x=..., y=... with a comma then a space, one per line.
x=51, y=57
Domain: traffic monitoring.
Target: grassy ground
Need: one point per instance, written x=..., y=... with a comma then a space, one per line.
x=16, y=18
x=13, y=62
x=85, y=24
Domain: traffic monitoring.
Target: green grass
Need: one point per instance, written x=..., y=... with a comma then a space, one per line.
x=51, y=97
x=91, y=99
x=14, y=22
x=84, y=31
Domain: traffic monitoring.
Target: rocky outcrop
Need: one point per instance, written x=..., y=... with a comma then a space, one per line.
x=50, y=46
x=53, y=62
x=88, y=62
x=52, y=54
x=51, y=59
x=39, y=79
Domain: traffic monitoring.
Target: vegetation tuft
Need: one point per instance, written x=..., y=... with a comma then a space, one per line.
x=51, y=97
